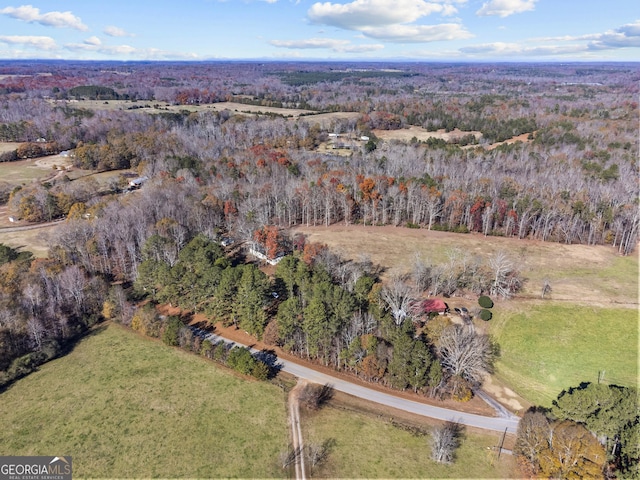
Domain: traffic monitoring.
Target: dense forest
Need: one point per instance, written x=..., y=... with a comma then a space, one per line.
x=214, y=178
x=573, y=180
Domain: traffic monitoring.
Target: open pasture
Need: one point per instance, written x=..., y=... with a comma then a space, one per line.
x=406, y=134
x=546, y=348
x=365, y=446
x=35, y=240
x=578, y=273
x=125, y=406
x=159, y=107
x=24, y=171
x=9, y=146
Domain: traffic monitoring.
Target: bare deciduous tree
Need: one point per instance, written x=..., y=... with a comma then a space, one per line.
x=315, y=396
x=506, y=279
x=466, y=354
x=289, y=457
x=534, y=434
x=398, y=296
x=37, y=331
x=318, y=452
x=445, y=439
x=421, y=272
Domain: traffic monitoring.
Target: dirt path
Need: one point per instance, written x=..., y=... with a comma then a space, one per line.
x=33, y=226
x=296, y=429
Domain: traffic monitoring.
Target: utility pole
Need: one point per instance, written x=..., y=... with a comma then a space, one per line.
x=502, y=443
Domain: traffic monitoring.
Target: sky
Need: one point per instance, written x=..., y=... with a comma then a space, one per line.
x=423, y=30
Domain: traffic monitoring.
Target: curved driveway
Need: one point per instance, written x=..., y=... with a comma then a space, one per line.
x=498, y=424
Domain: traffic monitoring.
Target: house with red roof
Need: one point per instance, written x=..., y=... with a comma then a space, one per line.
x=434, y=305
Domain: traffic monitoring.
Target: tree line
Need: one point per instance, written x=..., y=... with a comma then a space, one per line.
x=321, y=308
x=591, y=431
x=44, y=307
x=493, y=193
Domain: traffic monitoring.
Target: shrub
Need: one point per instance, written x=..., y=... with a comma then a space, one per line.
x=485, y=315
x=171, y=329
x=241, y=360
x=314, y=396
x=440, y=227
x=460, y=389
x=485, y=302
x=260, y=370
x=220, y=352
x=461, y=229
x=206, y=349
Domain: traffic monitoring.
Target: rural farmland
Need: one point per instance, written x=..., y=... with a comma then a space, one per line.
x=459, y=239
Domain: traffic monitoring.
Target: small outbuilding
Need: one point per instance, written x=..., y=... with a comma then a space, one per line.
x=137, y=182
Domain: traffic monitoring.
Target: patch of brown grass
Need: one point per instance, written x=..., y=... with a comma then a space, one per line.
x=578, y=273
x=9, y=146
x=34, y=240
x=406, y=134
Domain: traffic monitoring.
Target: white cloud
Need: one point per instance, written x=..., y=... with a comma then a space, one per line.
x=117, y=32
x=100, y=48
x=93, y=41
x=418, y=33
x=375, y=13
x=121, y=51
x=504, y=8
x=626, y=36
x=631, y=29
x=309, y=43
x=326, y=43
x=30, y=14
x=39, y=42
x=371, y=47
x=391, y=20
x=501, y=49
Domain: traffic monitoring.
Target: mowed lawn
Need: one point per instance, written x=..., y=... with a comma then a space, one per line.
x=366, y=447
x=546, y=348
x=128, y=407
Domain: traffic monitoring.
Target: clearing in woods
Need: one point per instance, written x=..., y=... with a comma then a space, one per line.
x=578, y=273
x=546, y=345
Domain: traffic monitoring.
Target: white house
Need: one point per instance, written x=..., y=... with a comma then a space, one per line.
x=137, y=182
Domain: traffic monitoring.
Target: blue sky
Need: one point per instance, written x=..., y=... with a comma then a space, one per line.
x=436, y=30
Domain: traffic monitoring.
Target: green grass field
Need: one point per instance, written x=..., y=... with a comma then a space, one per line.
x=22, y=171
x=128, y=407
x=546, y=348
x=367, y=447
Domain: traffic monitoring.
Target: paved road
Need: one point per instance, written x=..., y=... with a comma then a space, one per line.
x=498, y=424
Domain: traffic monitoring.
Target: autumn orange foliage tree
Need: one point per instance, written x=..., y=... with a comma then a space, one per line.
x=311, y=251
x=271, y=239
